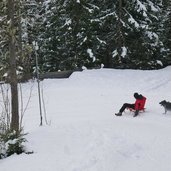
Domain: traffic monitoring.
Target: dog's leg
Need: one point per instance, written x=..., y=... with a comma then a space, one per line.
x=165, y=111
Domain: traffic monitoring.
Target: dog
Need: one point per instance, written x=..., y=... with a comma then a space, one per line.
x=166, y=105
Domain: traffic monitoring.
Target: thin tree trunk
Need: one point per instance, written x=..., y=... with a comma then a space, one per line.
x=120, y=29
x=12, y=68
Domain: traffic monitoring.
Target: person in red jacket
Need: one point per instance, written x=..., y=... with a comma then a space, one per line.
x=137, y=106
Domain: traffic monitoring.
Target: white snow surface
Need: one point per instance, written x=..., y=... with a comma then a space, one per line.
x=85, y=135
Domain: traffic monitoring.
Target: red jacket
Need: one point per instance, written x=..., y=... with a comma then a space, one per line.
x=140, y=103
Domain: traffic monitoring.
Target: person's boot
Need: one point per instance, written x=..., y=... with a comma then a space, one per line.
x=136, y=113
x=118, y=114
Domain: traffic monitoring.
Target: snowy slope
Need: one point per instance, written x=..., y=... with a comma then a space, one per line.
x=85, y=135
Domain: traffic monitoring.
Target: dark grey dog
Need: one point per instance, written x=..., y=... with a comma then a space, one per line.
x=166, y=105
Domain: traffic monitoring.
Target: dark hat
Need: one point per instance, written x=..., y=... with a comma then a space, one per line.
x=136, y=95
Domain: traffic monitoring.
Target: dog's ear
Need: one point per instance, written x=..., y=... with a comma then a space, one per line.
x=161, y=102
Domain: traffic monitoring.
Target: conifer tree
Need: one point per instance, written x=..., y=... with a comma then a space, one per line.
x=69, y=36
x=119, y=34
x=166, y=31
x=3, y=38
x=141, y=39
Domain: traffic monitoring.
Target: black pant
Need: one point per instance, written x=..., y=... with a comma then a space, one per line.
x=125, y=105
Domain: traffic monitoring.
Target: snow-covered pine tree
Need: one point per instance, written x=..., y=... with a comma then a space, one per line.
x=69, y=38
x=166, y=31
x=107, y=26
x=3, y=38
x=31, y=22
x=50, y=41
x=120, y=34
x=142, y=43
x=23, y=21
x=129, y=33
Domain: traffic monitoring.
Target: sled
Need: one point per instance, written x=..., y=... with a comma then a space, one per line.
x=133, y=110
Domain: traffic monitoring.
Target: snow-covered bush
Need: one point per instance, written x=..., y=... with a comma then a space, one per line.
x=11, y=143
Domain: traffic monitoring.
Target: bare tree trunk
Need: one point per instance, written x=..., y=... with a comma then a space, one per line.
x=12, y=68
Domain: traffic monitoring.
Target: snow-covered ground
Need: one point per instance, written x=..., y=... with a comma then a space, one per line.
x=85, y=135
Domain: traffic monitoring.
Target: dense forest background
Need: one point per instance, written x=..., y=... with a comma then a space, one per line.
x=71, y=34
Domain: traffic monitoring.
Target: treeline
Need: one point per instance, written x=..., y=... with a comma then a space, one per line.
x=70, y=34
